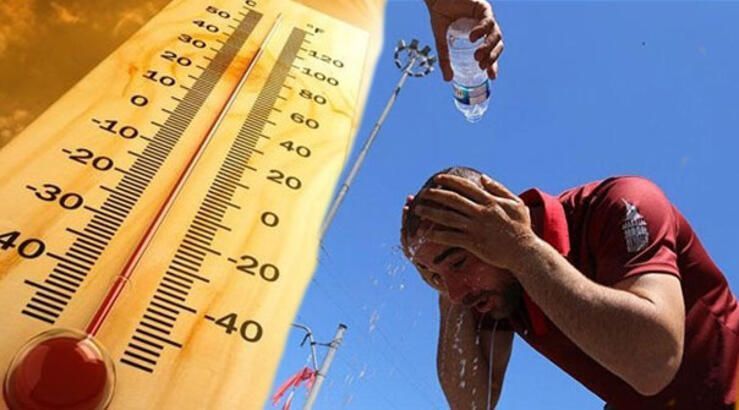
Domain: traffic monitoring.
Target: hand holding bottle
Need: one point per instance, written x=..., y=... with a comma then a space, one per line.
x=444, y=12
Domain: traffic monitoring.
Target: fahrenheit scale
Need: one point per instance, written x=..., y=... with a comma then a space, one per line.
x=160, y=222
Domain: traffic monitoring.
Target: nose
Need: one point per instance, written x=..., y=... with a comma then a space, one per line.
x=456, y=288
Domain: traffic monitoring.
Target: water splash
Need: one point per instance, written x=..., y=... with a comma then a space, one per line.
x=457, y=330
x=462, y=368
x=374, y=318
x=490, y=366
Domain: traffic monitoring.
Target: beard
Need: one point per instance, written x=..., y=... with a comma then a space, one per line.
x=511, y=297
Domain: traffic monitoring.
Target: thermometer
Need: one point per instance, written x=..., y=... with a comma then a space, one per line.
x=160, y=222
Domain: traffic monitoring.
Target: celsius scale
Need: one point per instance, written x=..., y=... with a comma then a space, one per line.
x=160, y=222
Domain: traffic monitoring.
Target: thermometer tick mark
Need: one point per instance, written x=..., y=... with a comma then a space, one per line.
x=173, y=288
x=159, y=338
x=143, y=349
x=168, y=309
x=148, y=342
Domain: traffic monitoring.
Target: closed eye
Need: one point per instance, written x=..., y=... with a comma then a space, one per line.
x=458, y=264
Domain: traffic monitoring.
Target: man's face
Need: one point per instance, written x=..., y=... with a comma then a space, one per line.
x=464, y=278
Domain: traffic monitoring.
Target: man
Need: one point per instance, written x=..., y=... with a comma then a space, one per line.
x=607, y=280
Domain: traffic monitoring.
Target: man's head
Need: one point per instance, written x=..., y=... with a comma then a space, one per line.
x=455, y=272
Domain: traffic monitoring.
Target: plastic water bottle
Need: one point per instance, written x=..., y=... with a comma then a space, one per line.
x=470, y=83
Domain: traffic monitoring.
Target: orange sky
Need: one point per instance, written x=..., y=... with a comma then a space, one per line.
x=47, y=46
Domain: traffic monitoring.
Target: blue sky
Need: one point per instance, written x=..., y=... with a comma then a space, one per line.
x=586, y=90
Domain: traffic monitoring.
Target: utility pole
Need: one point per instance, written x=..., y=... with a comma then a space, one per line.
x=321, y=374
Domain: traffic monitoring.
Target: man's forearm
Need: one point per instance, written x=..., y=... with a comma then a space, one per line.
x=620, y=330
x=461, y=364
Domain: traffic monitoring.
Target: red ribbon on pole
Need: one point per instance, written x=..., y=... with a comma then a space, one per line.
x=305, y=374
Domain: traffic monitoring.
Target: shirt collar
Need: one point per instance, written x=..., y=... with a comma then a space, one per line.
x=553, y=222
x=551, y=226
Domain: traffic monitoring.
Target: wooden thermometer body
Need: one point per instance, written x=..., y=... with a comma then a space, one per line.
x=206, y=148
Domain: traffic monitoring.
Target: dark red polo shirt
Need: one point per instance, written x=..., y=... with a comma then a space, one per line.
x=618, y=228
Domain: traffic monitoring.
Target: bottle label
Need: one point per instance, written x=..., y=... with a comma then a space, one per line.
x=471, y=95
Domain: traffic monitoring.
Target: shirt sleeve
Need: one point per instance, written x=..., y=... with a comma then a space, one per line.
x=632, y=231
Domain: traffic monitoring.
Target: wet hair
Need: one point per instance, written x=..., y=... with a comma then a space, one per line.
x=411, y=222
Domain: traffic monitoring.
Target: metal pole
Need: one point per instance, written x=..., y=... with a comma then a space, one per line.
x=309, y=337
x=417, y=60
x=321, y=375
x=360, y=158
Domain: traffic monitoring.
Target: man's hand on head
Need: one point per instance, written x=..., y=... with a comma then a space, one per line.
x=489, y=221
x=444, y=12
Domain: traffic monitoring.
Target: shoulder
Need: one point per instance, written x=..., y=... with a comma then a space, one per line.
x=630, y=197
x=621, y=203
x=632, y=229
x=630, y=187
x=613, y=196
x=632, y=211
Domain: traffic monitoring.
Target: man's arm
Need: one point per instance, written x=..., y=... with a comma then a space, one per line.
x=643, y=340
x=462, y=362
